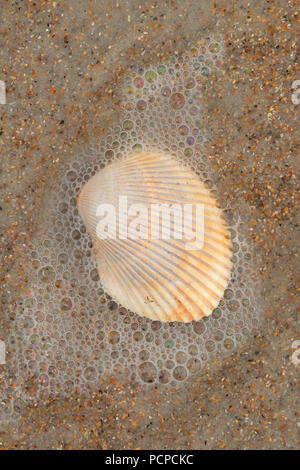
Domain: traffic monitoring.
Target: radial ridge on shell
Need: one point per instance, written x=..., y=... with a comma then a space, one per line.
x=150, y=264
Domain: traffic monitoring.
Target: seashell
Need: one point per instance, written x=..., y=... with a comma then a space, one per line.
x=145, y=256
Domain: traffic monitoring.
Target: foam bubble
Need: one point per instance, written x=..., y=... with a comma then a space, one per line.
x=68, y=332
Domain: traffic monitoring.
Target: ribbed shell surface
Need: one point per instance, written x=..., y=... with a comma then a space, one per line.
x=159, y=277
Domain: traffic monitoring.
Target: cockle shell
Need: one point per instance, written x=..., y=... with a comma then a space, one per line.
x=163, y=278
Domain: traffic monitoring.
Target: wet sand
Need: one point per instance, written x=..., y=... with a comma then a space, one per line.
x=63, y=66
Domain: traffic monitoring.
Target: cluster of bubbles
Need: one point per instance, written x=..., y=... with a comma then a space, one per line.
x=67, y=331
